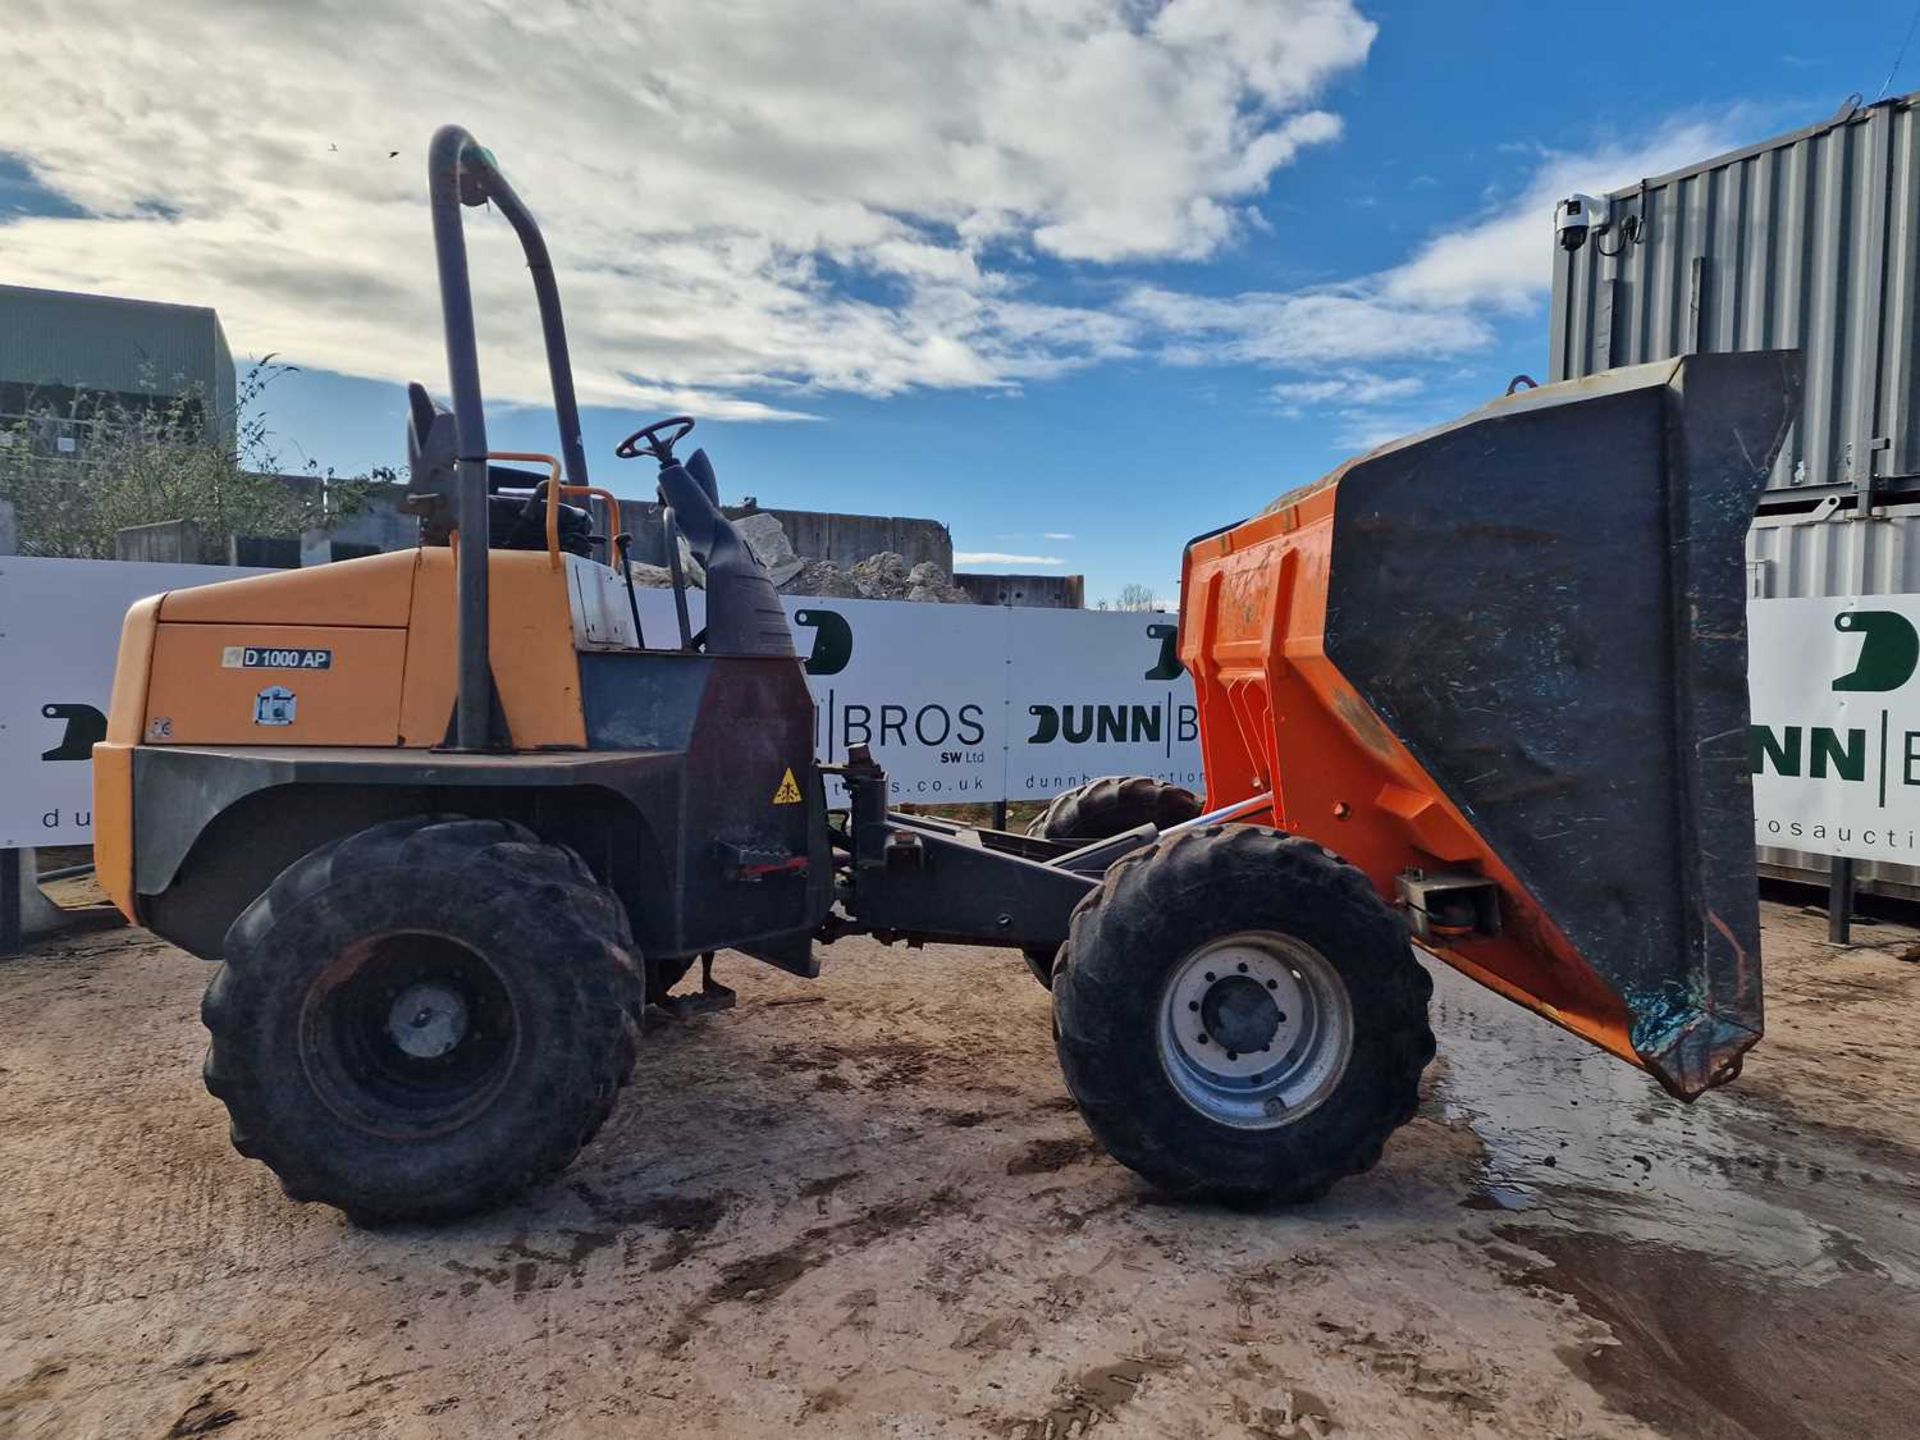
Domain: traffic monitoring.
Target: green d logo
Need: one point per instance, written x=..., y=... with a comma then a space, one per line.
x=84, y=726
x=832, y=640
x=1889, y=654
x=1169, y=666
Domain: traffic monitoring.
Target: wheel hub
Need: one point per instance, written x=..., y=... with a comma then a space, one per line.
x=1255, y=1029
x=409, y=1034
x=426, y=1021
x=1238, y=1015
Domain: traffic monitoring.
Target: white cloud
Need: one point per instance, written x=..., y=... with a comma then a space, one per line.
x=1349, y=387
x=1440, y=304
x=1303, y=327
x=1359, y=431
x=1057, y=535
x=1503, y=259
x=1000, y=557
x=745, y=201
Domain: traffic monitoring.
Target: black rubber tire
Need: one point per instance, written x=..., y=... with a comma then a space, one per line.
x=312, y=1107
x=1113, y=804
x=1099, y=810
x=1155, y=907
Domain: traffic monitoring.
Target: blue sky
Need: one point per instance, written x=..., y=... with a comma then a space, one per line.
x=1079, y=280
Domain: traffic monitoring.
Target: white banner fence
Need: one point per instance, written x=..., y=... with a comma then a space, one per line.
x=961, y=703
x=1835, y=743
x=966, y=703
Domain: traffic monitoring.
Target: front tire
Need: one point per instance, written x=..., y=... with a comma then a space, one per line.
x=423, y=1020
x=1240, y=1017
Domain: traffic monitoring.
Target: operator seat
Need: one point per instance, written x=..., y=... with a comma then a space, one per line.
x=513, y=522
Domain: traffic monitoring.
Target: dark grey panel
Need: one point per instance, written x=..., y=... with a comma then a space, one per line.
x=1546, y=603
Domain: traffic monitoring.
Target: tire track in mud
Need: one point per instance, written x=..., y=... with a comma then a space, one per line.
x=762, y=1278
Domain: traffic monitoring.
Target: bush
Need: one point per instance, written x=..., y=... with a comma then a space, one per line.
x=144, y=464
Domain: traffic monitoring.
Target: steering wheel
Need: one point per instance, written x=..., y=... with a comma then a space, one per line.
x=659, y=437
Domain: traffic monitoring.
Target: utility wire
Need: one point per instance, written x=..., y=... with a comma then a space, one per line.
x=1899, y=54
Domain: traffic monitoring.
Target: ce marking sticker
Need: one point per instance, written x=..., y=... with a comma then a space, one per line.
x=260, y=657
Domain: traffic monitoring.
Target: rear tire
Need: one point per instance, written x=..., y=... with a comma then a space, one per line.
x=1240, y=936
x=1112, y=804
x=1099, y=810
x=425, y=1019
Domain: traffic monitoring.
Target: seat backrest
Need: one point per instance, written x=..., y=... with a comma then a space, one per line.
x=431, y=465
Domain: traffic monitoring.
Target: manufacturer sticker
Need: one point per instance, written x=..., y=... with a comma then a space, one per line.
x=262, y=657
x=789, y=791
x=274, y=706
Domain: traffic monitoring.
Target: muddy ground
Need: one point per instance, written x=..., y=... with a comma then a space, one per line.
x=865, y=1206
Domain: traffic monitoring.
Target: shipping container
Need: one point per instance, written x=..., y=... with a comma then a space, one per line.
x=1810, y=242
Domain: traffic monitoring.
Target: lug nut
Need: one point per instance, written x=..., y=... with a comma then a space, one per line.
x=1243, y=967
x=1193, y=1005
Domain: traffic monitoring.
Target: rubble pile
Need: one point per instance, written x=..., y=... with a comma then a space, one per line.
x=885, y=576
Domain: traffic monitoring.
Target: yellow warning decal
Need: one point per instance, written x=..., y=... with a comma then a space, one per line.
x=789, y=791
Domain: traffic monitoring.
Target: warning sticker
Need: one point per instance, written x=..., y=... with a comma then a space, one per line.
x=789, y=791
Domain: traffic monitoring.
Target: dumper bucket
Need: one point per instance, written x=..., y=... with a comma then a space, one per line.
x=1544, y=603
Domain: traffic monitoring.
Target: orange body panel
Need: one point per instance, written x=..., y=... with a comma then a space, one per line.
x=376, y=590
x=531, y=634
x=132, y=669
x=1276, y=714
x=388, y=621
x=113, y=824
x=201, y=694
x=113, y=760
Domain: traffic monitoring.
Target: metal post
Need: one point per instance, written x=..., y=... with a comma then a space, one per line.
x=472, y=714
x=553, y=330
x=999, y=814
x=1840, y=900
x=9, y=901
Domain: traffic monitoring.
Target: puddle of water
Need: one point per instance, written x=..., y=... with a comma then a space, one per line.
x=1498, y=1197
x=1586, y=1139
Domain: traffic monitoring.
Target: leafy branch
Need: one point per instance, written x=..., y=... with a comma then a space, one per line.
x=144, y=463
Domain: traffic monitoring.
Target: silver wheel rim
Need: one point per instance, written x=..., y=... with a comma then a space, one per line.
x=426, y=1021
x=1255, y=1030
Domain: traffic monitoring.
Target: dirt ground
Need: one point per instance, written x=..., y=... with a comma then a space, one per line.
x=865, y=1206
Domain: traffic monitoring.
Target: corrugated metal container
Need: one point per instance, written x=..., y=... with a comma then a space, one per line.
x=51, y=339
x=1809, y=241
x=1812, y=242
x=1789, y=556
